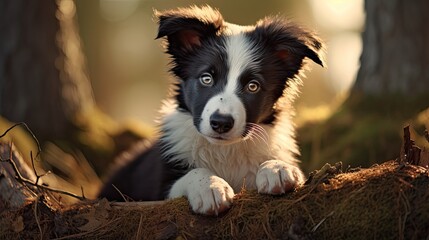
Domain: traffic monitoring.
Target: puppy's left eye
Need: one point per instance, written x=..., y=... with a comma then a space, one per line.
x=253, y=86
x=206, y=79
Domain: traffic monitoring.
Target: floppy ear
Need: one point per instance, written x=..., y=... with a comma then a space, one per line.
x=186, y=28
x=290, y=42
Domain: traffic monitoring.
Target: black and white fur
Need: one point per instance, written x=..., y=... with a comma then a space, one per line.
x=229, y=122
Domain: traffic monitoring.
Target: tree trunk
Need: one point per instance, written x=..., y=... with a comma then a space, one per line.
x=392, y=87
x=44, y=83
x=43, y=80
x=395, y=57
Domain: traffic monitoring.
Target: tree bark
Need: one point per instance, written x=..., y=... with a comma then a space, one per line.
x=43, y=79
x=395, y=56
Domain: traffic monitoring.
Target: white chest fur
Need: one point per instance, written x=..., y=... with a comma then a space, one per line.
x=236, y=163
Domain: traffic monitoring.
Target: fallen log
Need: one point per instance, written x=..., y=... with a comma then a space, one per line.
x=386, y=201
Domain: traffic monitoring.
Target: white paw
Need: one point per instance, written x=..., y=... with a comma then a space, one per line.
x=211, y=197
x=277, y=177
x=207, y=194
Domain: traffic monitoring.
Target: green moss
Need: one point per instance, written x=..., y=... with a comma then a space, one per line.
x=364, y=131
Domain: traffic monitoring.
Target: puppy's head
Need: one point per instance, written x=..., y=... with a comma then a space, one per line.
x=230, y=76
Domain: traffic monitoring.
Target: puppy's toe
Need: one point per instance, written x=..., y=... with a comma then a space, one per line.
x=277, y=177
x=212, y=199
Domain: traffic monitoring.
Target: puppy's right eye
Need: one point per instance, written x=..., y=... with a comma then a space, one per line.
x=206, y=79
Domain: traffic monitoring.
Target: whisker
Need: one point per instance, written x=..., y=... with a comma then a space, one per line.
x=262, y=139
x=262, y=133
x=260, y=130
x=258, y=127
x=256, y=131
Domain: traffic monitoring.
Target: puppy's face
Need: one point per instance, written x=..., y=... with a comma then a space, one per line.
x=232, y=76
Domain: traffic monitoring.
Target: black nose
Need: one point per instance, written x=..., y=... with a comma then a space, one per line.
x=221, y=123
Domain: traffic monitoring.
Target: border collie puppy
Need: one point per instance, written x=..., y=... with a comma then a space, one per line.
x=228, y=124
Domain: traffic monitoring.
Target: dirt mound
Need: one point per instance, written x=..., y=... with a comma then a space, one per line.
x=390, y=201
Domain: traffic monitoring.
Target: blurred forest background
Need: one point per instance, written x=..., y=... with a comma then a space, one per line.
x=88, y=78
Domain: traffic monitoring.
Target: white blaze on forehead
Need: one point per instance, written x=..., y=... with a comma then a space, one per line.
x=240, y=55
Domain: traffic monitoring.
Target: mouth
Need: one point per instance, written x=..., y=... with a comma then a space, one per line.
x=224, y=140
x=221, y=140
x=216, y=137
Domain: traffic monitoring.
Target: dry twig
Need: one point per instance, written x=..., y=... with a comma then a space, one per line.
x=22, y=179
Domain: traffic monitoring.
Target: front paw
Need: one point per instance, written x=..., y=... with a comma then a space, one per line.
x=207, y=193
x=277, y=177
x=210, y=196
